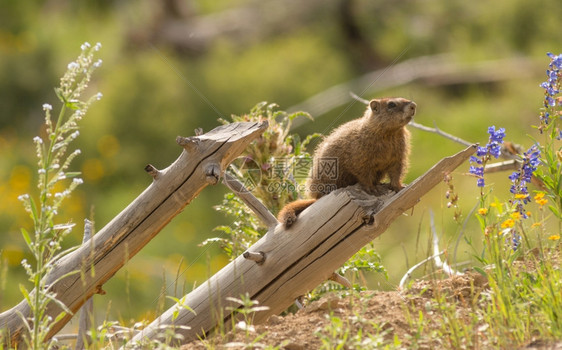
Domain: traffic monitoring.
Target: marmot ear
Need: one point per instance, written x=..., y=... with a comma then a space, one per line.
x=375, y=105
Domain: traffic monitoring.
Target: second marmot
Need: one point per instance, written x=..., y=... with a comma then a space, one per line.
x=363, y=151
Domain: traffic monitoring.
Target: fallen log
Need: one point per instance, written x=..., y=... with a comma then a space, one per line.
x=201, y=163
x=285, y=264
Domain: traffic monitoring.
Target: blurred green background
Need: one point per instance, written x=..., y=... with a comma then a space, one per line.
x=172, y=66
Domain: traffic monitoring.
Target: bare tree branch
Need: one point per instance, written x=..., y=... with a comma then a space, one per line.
x=430, y=70
x=251, y=201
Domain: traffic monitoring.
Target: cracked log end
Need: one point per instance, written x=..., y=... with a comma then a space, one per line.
x=152, y=171
x=188, y=143
x=370, y=204
x=340, y=279
x=212, y=173
x=258, y=257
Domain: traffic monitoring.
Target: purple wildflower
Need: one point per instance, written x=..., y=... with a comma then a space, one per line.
x=515, y=240
x=556, y=60
x=520, y=179
x=476, y=160
x=480, y=182
x=492, y=148
x=551, y=87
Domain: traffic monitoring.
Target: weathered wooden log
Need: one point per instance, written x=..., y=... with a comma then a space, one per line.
x=87, y=310
x=296, y=260
x=202, y=161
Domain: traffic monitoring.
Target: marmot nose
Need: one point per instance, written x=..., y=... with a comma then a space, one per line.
x=411, y=106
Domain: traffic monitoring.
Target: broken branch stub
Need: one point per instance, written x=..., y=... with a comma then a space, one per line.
x=296, y=260
x=201, y=162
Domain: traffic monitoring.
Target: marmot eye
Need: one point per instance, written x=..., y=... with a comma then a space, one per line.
x=391, y=105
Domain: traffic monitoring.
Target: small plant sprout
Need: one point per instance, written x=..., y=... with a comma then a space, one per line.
x=246, y=308
x=54, y=160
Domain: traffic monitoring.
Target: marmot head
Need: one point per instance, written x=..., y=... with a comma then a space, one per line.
x=391, y=112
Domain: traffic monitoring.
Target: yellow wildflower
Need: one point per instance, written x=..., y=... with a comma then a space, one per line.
x=516, y=216
x=483, y=211
x=536, y=224
x=554, y=237
x=508, y=223
x=521, y=196
x=493, y=205
x=539, y=195
x=539, y=198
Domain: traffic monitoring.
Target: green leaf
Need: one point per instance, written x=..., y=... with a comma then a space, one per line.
x=480, y=271
x=72, y=174
x=309, y=138
x=25, y=293
x=300, y=114
x=554, y=210
x=59, y=94
x=26, y=237
x=73, y=105
x=53, y=298
x=34, y=215
x=181, y=302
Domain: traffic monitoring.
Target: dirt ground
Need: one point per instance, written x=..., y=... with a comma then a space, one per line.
x=385, y=316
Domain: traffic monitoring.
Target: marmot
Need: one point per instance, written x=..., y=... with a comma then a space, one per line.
x=361, y=151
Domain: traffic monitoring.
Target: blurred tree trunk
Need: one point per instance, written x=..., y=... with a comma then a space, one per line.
x=359, y=46
x=244, y=25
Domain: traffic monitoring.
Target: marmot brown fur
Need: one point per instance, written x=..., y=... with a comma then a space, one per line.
x=362, y=151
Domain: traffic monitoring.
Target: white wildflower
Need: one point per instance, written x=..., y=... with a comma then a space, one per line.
x=75, y=134
x=77, y=181
x=99, y=95
x=85, y=46
x=23, y=197
x=97, y=47
x=38, y=140
x=73, y=65
x=98, y=63
x=47, y=107
x=41, y=171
